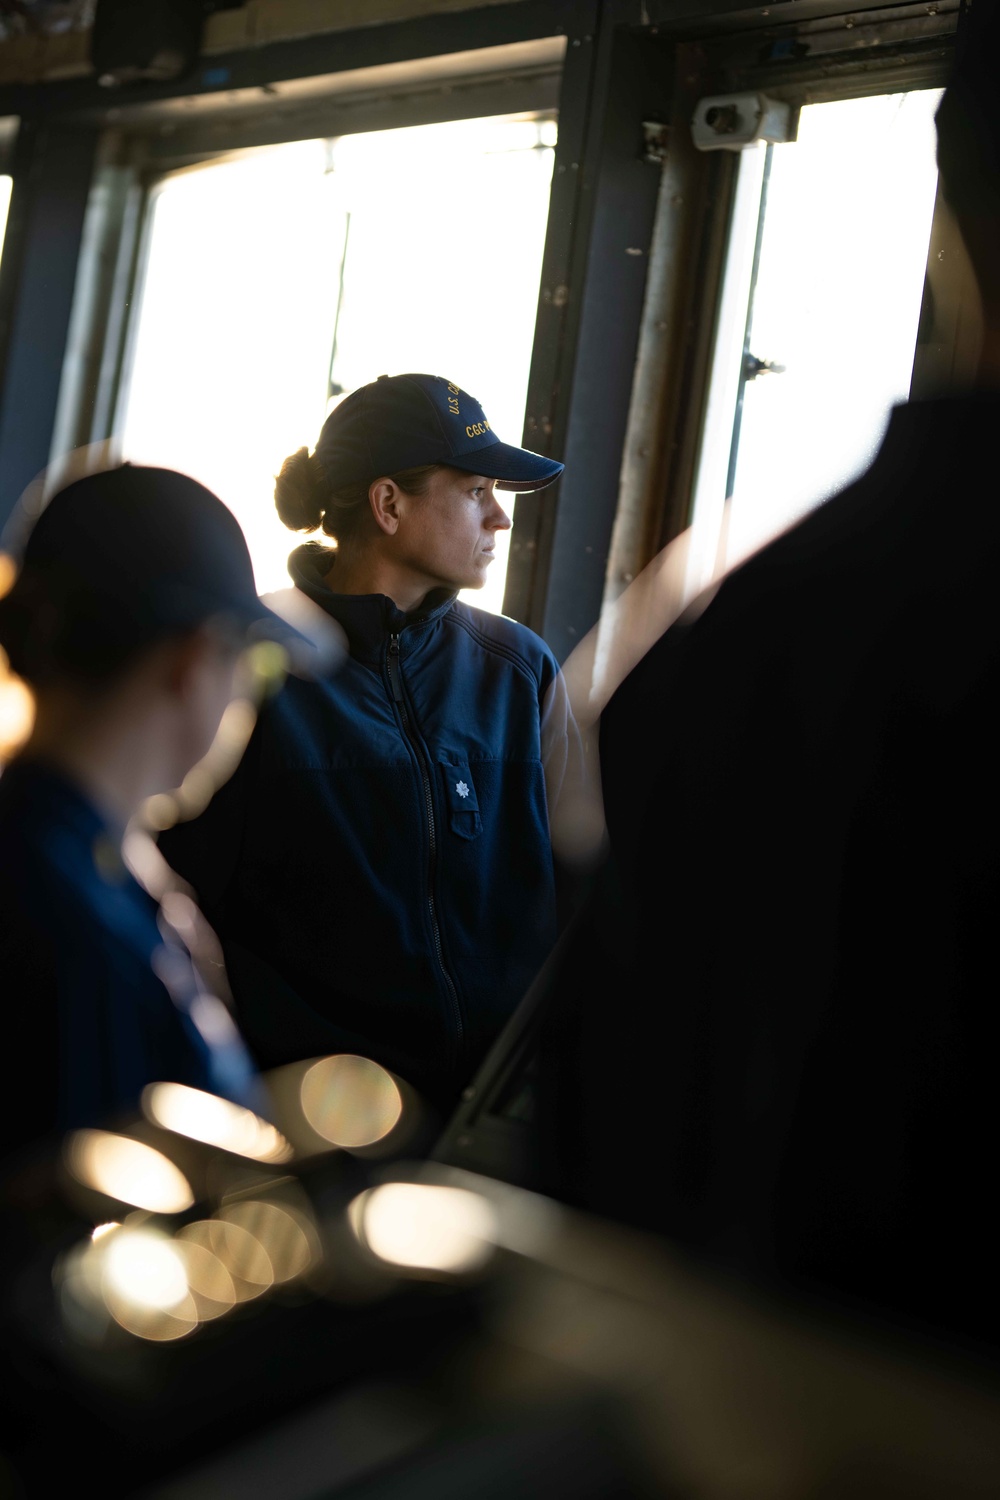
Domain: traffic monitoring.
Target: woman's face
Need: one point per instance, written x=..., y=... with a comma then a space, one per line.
x=447, y=535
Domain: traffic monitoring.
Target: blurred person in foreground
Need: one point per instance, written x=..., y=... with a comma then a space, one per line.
x=796, y=936
x=127, y=618
x=380, y=867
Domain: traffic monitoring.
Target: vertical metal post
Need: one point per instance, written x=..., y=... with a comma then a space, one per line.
x=558, y=313
x=581, y=376
x=52, y=182
x=734, y=450
x=101, y=303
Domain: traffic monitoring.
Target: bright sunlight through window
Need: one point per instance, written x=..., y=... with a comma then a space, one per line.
x=837, y=303
x=279, y=280
x=5, y=187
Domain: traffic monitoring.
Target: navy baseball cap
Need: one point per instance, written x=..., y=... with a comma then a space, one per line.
x=403, y=421
x=150, y=548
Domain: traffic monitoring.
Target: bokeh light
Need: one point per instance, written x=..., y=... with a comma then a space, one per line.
x=17, y=707
x=225, y=752
x=128, y=1171
x=157, y=1327
x=133, y=1273
x=162, y=1287
x=286, y=1235
x=216, y=1122
x=240, y=1253
x=426, y=1228
x=350, y=1101
x=209, y=1281
x=267, y=663
x=142, y=1267
x=128, y=1300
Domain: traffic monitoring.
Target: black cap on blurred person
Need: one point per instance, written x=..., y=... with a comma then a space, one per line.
x=120, y=559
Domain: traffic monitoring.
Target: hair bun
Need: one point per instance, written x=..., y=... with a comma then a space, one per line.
x=300, y=492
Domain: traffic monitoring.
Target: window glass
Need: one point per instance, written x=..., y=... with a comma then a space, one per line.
x=278, y=281
x=846, y=221
x=5, y=187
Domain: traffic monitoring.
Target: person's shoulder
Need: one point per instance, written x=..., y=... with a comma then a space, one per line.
x=30, y=824
x=505, y=637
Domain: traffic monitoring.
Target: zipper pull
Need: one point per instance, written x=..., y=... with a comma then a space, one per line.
x=394, y=682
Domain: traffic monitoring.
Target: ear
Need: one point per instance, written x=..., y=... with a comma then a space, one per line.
x=386, y=500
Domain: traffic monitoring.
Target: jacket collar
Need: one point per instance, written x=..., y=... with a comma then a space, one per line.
x=368, y=620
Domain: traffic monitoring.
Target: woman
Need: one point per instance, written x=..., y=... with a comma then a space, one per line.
x=131, y=605
x=379, y=869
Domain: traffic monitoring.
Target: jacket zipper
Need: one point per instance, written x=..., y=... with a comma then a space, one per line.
x=396, y=684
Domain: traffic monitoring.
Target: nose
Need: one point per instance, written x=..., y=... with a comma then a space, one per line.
x=498, y=519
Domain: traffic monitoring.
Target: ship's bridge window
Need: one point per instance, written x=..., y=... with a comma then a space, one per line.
x=818, y=318
x=5, y=187
x=277, y=280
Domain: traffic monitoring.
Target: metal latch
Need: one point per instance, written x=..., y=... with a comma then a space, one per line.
x=729, y=122
x=752, y=367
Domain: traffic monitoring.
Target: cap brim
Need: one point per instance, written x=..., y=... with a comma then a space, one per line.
x=315, y=642
x=263, y=624
x=515, y=469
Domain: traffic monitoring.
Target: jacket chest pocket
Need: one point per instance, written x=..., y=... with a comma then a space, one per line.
x=460, y=799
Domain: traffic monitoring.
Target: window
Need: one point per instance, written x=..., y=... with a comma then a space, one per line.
x=277, y=280
x=5, y=186
x=818, y=319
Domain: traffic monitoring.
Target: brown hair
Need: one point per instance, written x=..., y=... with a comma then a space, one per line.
x=305, y=501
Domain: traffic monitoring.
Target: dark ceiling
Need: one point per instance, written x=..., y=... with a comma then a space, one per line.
x=27, y=17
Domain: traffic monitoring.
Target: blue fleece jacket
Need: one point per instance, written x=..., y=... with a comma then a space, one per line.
x=379, y=867
x=101, y=994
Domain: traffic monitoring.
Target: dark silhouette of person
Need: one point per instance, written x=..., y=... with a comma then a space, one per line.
x=132, y=602
x=775, y=1038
